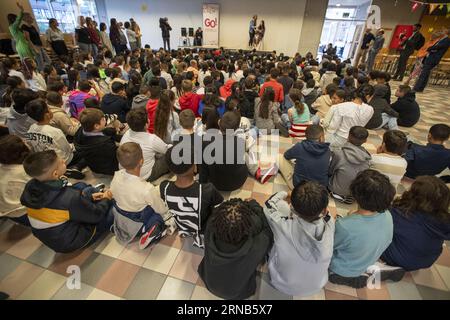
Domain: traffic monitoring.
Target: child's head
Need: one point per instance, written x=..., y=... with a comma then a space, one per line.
x=230, y=121
x=439, y=133
x=274, y=73
x=402, y=91
x=372, y=191
x=130, y=155
x=21, y=97
x=13, y=150
x=429, y=195
x=394, y=141
x=118, y=88
x=137, y=119
x=92, y=120
x=337, y=81
x=186, y=86
x=358, y=136
x=315, y=133
x=144, y=90
x=311, y=83
x=187, y=119
x=84, y=86
x=338, y=96
x=180, y=164
x=54, y=99
x=309, y=200
x=44, y=166
x=330, y=89
x=38, y=111
x=92, y=102
x=232, y=221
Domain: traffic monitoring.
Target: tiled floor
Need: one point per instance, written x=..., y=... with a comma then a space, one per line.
x=29, y=270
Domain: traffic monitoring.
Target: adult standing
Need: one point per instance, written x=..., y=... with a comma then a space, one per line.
x=374, y=49
x=35, y=41
x=198, y=39
x=252, y=30
x=414, y=42
x=114, y=35
x=165, y=28
x=135, y=27
x=123, y=37
x=434, y=56
x=83, y=37
x=22, y=47
x=362, y=53
x=56, y=38
x=93, y=34
x=260, y=32
x=104, y=37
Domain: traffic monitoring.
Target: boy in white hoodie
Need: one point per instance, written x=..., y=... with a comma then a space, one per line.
x=304, y=236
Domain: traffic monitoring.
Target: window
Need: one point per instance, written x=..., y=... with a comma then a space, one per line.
x=65, y=11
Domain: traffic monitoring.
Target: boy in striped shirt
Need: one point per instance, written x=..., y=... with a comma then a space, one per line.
x=388, y=159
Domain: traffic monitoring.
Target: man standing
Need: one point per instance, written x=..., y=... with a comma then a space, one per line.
x=374, y=49
x=368, y=38
x=34, y=39
x=434, y=56
x=165, y=28
x=252, y=30
x=415, y=42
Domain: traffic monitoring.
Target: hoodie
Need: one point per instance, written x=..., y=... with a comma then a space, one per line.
x=18, y=123
x=379, y=105
x=300, y=248
x=191, y=101
x=115, y=104
x=225, y=90
x=62, y=121
x=345, y=166
x=61, y=216
x=312, y=160
x=229, y=271
x=417, y=242
x=139, y=101
x=151, y=106
x=322, y=105
x=98, y=150
x=408, y=110
x=327, y=78
x=76, y=102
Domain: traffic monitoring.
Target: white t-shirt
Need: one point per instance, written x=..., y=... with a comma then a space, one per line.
x=150, y=145
x=131, y=35
x=392, y=166
x=346, y=115
x=37, y=83
x=46, y=137
x=133, y=193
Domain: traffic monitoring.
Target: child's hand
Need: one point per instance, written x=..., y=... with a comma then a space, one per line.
x=97, y=196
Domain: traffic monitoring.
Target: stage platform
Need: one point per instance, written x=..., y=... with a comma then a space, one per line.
x=226, y=48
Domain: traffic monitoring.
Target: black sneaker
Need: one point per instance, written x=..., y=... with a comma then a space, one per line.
x=341, y=199
x=155, y=233
x=74, y=174
x=357, y=282
x=387, y=272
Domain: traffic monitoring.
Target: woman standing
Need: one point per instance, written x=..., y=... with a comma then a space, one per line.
x=114, y=35
x=106, y=41
x=56, y=38
x=93, y=34
x=252, y=30
x=135, y=27
x=260, y=31
x=22, y=47
x=83, y=37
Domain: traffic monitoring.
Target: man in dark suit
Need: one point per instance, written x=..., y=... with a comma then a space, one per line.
x=435, y=54
x=415, y=42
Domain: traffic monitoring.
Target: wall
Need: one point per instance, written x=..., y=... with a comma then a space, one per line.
x=312, y=26
x=283, y=19
x=393, y=15
x=9, y=6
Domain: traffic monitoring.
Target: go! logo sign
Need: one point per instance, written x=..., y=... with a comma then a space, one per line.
x=211, y=23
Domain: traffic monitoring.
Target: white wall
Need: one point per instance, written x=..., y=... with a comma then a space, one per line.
x=283, y=19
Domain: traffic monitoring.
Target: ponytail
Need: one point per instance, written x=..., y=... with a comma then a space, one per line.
x=296, y=96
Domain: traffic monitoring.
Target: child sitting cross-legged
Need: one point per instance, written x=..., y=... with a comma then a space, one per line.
x=190, y=202
x=361, y=237
x=237, y=239
x=65, y=218
x=303, y=234
x=138, y=206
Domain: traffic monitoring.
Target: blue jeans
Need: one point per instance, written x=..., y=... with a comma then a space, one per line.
x=42, y=58
x=148, y=217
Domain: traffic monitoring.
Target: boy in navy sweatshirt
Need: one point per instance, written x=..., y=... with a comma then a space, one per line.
x=65, y=218
x=312, y=159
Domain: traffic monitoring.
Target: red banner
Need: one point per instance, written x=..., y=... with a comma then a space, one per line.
x=401, y=32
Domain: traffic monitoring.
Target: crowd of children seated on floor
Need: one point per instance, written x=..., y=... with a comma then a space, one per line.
x=124, y=116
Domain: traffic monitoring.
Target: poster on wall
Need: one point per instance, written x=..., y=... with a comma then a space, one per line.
x=210, y=25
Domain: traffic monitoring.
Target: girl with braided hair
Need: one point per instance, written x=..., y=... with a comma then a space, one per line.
x=237, y=239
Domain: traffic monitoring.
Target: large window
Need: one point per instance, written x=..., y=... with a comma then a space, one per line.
x=65, y=11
